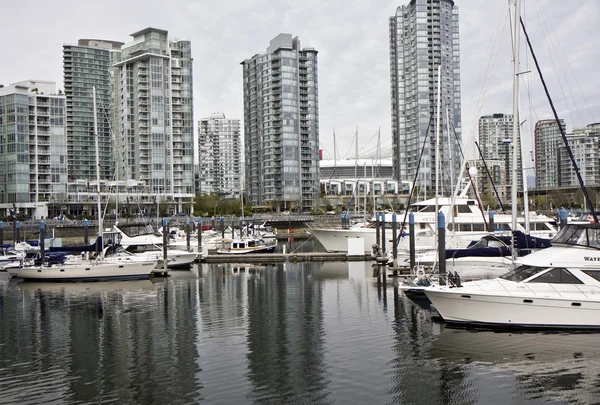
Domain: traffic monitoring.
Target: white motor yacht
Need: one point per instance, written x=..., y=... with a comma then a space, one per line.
x=557, y=287
x=466, y=222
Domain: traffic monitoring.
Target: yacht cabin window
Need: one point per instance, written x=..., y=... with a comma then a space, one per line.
x=463, y=209
x=428, y=208
x=595, y=274
x=557, y=276
x=522, y=273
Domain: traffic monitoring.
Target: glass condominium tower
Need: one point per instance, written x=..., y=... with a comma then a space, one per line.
x=281, y=126
x=154, y=113
x=220, y=151
x=85, y=65
x=423, y=36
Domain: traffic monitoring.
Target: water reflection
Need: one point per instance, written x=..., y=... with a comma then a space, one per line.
x=313, y=333
x=541, y=366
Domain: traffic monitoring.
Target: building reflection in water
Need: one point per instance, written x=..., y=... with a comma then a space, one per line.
x=292, y=332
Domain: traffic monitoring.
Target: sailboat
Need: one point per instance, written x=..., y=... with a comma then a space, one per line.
x=97, y=269
x=558, y=287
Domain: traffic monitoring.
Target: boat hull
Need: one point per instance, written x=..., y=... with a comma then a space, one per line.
x=514, y=311
x=266, y=249
x=88, y=272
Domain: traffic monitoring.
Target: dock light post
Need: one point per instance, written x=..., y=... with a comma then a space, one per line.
x=1, y=233
x=187, y=233
x=86, y=234
x=199, y=234
x=165, y=236
x=215, y=210
x=42, y=239
x=17, y=231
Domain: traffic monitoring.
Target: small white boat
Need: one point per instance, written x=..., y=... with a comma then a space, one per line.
x=249, y=245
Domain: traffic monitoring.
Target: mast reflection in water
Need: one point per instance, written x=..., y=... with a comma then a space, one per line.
x=306, y=333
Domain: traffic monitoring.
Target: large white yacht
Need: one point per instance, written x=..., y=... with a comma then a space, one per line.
x=557, y=287
x=465, y=222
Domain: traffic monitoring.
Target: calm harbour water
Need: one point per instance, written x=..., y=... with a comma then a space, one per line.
x=305, y=333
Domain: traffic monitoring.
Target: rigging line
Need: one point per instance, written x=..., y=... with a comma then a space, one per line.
x=482, y=96
x=552, y=52
x=562, y=130
x=489, y=68
x=562, y=52
x=351, y=145
x=414, y=184
x=490, y=176
x=462, y=155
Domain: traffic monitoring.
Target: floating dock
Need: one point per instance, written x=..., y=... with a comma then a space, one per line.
x=285, y=257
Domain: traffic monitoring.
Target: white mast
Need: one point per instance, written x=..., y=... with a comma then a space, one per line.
x=515, y=168
x=356, y=174
x=450, y=154
x=365, y=194
x=97, y=170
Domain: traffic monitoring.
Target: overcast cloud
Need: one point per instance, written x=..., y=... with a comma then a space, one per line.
x=352, y=39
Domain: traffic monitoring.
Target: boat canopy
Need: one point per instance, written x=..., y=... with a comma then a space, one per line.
x=579, y=234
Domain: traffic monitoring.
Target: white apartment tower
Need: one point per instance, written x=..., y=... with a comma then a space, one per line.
x=220, y=152
x=33, y=148
x=548, y=140
x=423, y=36
x=281, y=126
x=154, y=114
x=495, y=142
x=585, y=147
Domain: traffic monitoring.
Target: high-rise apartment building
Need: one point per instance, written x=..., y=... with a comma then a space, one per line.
x=33, y=147
x=585, y=146
x=547, y=136
x=154, y=113
x=281, y=125
x=220, y=153
x=495, y=142
x=423, y=36
x=85, y=65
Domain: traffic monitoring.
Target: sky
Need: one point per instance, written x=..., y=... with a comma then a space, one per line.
x=352, y=39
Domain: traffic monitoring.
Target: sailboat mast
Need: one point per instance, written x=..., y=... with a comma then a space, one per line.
x=515, y=137
x=450, y=154
x=97, y=173
x=356, y=173
x=437, y=144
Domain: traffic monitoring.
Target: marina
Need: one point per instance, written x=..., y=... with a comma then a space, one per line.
x=306, y=332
